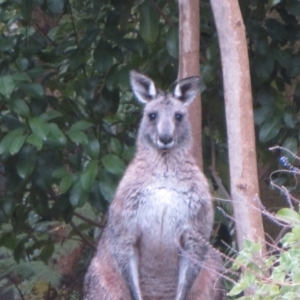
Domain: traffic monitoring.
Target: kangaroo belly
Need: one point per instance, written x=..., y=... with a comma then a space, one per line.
x=162, y=217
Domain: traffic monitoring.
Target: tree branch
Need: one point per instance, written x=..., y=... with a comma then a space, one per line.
x=160, y=12
x=17, y=287
x=100, y=225
x=79, y=233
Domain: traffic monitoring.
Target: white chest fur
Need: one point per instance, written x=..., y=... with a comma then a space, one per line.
x=163, y=212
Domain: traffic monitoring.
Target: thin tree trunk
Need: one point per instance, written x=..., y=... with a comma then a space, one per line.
x=189, y=53
x=239, y=119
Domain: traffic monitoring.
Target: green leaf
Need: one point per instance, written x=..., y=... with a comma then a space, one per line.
x=26, y=161
x=50, y=115
x=237, y=289
x=128, y=154
x=56, y=133
x=282, y=56
x=270, y=129
x=278, y=275
x=19, y=250
x=291, y=144
x=22, y=63
x=89, y=175
x=20, y=107
x=17, y=144
x=110, y=99
x=92, y=147
x=276, y=30
x=8, y=240
x=115, y=146
x=208, y=73
x=60, y=173
x=80, y=125
x=7, y=85
x=26, y=9
x=293, y=8
x=56, y=6
x=39, y=128
x=113, y=164
x=78, y=195
x=297, y=90
x=65, y=183
x=263, y=113
x=103, y=56
x=289, y=215
x=78, y=137
x=149, y=22
x=265, y=95
x=172, y=42
x=47, y=251
x=21, y=77
x=290, y=119
x=124, y=83
x=9, y=138
x=294, y=68
x=295, y=274
x=107, y=185
x=32, y=89
x=35, y=141
x=275, y=2
x=264, y=68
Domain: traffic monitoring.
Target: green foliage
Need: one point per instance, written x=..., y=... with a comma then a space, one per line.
x=274, y=69
x=68, y=119
x=275, y=276
x=271, y=28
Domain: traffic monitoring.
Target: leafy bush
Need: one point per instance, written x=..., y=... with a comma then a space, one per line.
x=275, y=276
x=68, y=122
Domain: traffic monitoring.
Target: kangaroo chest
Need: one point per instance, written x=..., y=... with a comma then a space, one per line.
x=162, y=218
x=163, y=211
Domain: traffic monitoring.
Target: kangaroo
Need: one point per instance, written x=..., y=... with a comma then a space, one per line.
x=155, y=245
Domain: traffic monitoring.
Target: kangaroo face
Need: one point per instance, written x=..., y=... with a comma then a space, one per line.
x=165, y=123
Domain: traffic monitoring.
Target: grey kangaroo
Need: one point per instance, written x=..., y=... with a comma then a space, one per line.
x=155, y=245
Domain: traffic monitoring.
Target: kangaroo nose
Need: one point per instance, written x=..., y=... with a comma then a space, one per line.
x=166, y=139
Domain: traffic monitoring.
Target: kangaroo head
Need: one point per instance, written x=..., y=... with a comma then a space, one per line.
x=165, y=124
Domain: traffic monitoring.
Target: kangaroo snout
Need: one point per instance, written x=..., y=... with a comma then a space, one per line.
x=165, y=141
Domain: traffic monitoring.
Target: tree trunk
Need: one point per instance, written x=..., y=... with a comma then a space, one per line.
x=239, y=119
x=189, y=65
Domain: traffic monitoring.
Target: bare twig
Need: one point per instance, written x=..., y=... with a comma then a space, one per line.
x=100, y=224
x=45, y=35
x=281, y=234
x=17, y=287
x=160, y=12
x=78, y=232
x=285, y=149
x=219, y=183
x=213, y=165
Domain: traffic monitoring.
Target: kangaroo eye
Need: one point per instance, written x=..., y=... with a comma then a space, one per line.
x=178, y=117
x=152, y=116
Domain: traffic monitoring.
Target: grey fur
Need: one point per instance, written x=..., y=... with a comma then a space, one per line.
x=156, y=242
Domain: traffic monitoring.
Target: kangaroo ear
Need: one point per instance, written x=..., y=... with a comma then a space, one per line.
x=187, y=89
x=142, y=86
